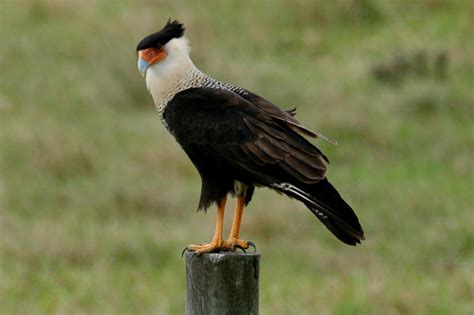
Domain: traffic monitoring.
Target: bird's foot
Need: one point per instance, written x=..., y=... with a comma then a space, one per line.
x=213, y=247
x=233, y=243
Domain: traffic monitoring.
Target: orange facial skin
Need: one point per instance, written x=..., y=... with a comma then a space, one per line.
x=152, y=55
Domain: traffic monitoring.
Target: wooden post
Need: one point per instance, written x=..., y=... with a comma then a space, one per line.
x=222, y=283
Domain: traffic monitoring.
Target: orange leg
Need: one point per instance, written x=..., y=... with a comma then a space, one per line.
x=233, y=242
x=217, y=243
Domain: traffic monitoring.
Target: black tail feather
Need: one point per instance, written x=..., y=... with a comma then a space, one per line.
x=342, y=235
x=349, y=230
x=328, y=206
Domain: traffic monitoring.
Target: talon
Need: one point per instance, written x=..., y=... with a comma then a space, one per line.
x=238, y=246
x=252, y=244
x=184, y=250
x=190, y=249
x=233, y=243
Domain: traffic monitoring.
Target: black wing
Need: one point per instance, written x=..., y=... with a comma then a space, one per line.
x=286, y=117
x=244, y=134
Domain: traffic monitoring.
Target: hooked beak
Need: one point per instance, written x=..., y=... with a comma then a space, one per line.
x=142, y=65
x=148, y=57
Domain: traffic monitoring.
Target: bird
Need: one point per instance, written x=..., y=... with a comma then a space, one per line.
x=237, y=141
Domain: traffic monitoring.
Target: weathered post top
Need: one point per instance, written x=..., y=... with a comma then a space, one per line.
x=222, y=283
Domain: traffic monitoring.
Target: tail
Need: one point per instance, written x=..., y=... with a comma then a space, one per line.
x=328, y=206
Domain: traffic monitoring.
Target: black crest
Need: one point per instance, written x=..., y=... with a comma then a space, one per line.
x=168, y=32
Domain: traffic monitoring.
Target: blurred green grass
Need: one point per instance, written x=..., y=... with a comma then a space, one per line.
x=97, y=200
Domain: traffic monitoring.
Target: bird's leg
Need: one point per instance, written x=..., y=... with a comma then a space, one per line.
x=217, y=243
x=233, y=242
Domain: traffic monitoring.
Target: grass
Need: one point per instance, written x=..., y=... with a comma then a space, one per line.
x=97, y=200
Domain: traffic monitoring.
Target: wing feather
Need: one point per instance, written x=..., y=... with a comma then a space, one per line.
x=247, y=136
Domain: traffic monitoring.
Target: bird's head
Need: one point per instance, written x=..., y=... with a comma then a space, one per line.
x=164, y=49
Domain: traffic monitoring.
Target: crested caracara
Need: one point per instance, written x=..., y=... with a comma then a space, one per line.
x=237, y=141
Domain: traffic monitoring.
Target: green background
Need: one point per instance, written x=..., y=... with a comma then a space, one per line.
x=97, y=200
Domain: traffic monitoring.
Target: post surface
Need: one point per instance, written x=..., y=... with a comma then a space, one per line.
x=222, y=283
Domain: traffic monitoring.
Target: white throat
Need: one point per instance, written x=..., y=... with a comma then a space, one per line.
x=170, y=76
x=177, y=73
